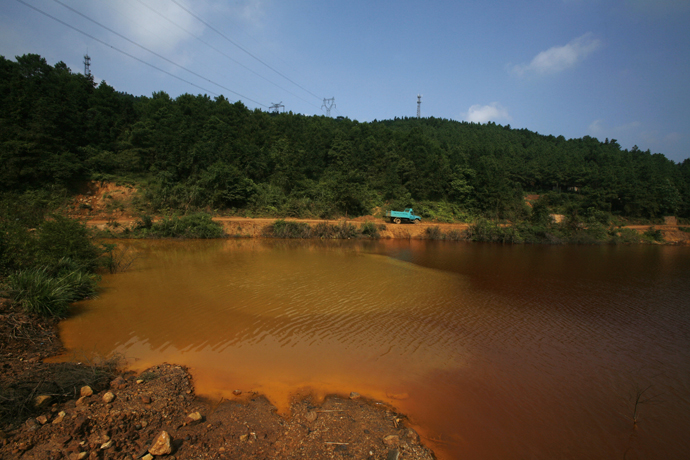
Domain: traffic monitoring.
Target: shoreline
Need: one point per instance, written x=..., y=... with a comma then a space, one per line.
x=122, y=414
x=248, y=227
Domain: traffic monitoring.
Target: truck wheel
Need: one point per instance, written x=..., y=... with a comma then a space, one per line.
x=417, y=221
x=396, y=220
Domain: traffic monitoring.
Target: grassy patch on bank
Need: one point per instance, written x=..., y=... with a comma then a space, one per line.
x=323, y=230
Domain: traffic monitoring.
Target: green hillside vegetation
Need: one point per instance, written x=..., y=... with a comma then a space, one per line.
x=197, y=153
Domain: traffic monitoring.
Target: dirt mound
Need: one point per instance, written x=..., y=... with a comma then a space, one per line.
x=103, y=201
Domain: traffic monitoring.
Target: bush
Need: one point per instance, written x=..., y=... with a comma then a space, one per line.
x=369, y=229
x=199, y=225
x=39, y=291
x=487, y=231
x=61, y=237
x=434, y=233
x=653, y=235
x=290, y=229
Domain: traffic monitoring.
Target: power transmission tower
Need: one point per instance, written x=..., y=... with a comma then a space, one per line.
x=419, y=105
x=276, y=107
x=87, y=65
x=328, y=104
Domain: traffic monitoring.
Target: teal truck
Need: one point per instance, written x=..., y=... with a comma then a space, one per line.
x=403, y=216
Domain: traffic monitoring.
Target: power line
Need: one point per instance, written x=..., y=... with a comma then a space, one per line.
x=225, y=37
x=117, y=49
x=156, y=54
x=221, y=52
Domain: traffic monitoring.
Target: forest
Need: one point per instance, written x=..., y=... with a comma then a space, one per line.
x=194, y=153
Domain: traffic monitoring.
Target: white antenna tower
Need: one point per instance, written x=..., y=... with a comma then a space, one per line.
x=328, y=104
x=419, y=105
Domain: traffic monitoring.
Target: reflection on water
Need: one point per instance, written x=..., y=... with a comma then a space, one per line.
x=494, y=351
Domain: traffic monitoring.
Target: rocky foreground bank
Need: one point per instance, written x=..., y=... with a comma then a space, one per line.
x=156, y=414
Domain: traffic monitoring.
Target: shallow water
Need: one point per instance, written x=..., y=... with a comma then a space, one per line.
x=493, y=351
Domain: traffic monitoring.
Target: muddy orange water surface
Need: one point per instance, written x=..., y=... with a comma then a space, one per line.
x=494, y=352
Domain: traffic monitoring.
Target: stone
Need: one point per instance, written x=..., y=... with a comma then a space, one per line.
x=147, y=457
x=140, y=381
x=105, y=445
x=194, y=418
x=391, y=440
x=118, y=383
x=355, y=395
x=311, y=416
x=412, y=435
x=162, y=445
x=82, y=401
x=108, y=397
x=393, y=454
x=146, y=399
x=42, y=419
x=42, y=400
x=244, y=437
x=59, y=417
x=86, y=391
x=77, y=455
x=237, y=392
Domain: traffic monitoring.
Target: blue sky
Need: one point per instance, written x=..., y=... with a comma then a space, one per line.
x=603, y=68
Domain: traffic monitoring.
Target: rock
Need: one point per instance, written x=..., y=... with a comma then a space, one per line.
x=391, y=440
x=105, y=445
x=108, y=397
x=355, y=395
x=244, y=437
x=237, y=392
x=42, y=419
x=146, y=399
x=31, y=424
x=82, y=401
x=311, y=416
x=147, y=457
x=140, y=381
x=194, y=418
x=86, y=391
x=162, y=445
x=393, y=454
x=412, y=435
x=77, y=455
x=42, y=400
x=59, y=417
x=118, y=383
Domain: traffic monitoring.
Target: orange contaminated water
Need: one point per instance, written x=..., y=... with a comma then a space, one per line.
x=495, y=352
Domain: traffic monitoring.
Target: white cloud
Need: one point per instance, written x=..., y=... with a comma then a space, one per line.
x=484, y=113
x=560, y=58
x=153, y=30
x=599, y=129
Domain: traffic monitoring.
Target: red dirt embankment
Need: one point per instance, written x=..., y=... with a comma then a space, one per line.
x=103, y=203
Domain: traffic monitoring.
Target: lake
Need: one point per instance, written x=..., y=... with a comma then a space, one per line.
x=493, y=351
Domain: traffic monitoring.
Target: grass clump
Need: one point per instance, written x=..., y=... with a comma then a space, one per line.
x=290, y=229
x=198, y=225
x=40, y=291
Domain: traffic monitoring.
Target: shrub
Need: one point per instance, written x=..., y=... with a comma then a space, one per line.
x=369, y=229
x=434, y=233
x=199, y=225
x=290, y=229
x=653, y=235
x=62, y=237
x=38, y=291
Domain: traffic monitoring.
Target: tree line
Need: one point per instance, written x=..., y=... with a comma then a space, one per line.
x=193, y=152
